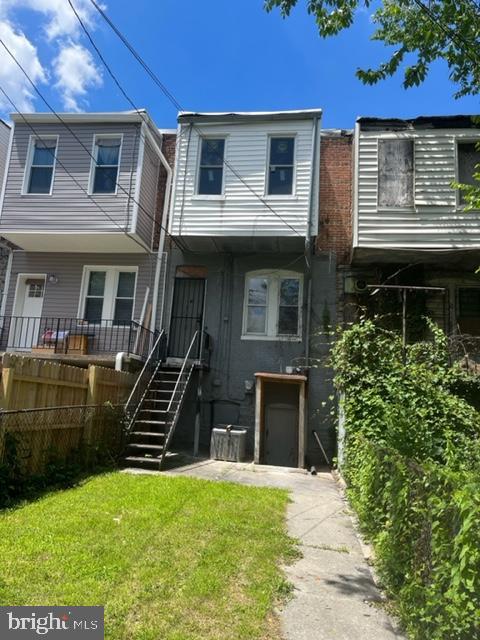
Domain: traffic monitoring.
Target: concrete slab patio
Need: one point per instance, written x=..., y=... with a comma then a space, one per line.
x=335, y=597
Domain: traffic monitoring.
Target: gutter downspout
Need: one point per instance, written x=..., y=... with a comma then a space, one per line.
x=313, y=193
x=161, y=243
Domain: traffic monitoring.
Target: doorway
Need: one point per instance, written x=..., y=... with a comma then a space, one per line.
x=281, y=424
x=187, y=315
x=27, y=311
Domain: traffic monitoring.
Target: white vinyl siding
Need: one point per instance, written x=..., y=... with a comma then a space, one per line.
x=240, y=212
x=435, y=220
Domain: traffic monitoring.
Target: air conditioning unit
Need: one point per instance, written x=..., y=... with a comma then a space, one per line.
x=356, y=284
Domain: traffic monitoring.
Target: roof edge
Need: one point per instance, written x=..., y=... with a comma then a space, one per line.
x=248, y=116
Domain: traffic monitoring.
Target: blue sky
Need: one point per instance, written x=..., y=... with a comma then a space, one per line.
x=214, y=55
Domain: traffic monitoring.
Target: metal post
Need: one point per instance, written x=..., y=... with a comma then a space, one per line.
x=56, y=336
x=129, y=337
x=196, y=438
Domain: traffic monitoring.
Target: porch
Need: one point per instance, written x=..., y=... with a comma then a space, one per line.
x=75, y=340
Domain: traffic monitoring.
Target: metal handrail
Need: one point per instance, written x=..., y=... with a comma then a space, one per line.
x=182, y=370
x=148, y=361
x=171, y=422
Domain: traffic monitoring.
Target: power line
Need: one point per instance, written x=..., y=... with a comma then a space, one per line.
x=456, y=38
x=72, y=132
x=178, y=106
x=55, y=155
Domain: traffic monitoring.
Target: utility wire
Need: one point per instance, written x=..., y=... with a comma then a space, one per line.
x=171, y=97
x=60, y=163
x=72, y=132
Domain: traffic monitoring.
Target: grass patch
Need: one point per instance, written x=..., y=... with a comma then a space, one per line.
x=170, y=558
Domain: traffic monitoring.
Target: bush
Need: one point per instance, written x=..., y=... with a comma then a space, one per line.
x=412, y=467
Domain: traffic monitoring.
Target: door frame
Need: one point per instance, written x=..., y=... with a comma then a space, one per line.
x=172, y=300
x=19, y=297
x=281, y=378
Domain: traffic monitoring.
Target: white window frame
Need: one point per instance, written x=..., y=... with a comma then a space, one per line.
x=467, y=140
x=274, y=276
x=28, y=164
x=93, y=164
x=274, y=196
x=111, y=286
x=210, y=196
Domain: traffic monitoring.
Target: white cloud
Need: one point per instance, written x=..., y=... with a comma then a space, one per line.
x=12, y=79
x=76, y=72
x=73, y=66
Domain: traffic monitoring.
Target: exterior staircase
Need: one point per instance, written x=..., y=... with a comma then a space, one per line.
x=154, y=409
x=147, y=440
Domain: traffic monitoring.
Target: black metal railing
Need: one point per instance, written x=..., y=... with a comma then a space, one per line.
x=74, y=336
x=145, y=378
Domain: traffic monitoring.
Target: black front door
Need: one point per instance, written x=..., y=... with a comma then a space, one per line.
x=187, y=315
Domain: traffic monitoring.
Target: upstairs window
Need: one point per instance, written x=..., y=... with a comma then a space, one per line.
x=395, y=173
x=105, y=166
x=468, y=156
x=109, y=295
x=281, y=166
x=273, y=304
x=41, y=166
x=210, y=179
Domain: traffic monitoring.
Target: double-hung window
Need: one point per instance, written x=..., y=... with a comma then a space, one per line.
x=281, y=166
x=105, y=164
x=273, y=305
x=468, y=157
x=109, y=294
x=210, y=174
x=395, y=173
x=42, y=154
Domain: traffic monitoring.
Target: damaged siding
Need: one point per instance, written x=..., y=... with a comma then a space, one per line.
x=435, y=221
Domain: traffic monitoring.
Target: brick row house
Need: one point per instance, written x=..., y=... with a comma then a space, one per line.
x=239, y=240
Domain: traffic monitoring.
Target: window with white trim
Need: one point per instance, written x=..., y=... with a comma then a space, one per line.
x=42, y=156
x=210, y=172
x=281, y=160
x=468, y=157
x=107, y=160
x=272, y=304
x=108, y=294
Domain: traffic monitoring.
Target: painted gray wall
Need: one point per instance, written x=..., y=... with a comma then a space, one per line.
x=69, y=208
x=148, y=194
x=235, y=361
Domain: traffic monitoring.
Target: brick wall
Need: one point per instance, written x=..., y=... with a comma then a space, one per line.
x=168, y=148
x=335, y=214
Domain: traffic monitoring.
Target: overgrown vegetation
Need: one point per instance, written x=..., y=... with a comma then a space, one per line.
x=170, y=558
x=412, y=464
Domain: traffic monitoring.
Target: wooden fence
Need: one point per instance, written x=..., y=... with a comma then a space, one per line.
x=49, y=411
x=28, y=383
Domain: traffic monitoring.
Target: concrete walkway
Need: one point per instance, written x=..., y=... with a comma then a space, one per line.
x=335, y=597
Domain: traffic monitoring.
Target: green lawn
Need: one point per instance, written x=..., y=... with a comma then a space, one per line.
x=170, y=558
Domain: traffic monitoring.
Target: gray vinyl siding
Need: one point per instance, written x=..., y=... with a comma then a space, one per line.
x=241, y=212
x=435, y=221
x=4, y=143
x=148, y=194
x=69, y=208
x=62, y=299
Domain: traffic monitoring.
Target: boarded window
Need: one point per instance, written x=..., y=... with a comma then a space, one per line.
x=468, y=157
x=395, y=173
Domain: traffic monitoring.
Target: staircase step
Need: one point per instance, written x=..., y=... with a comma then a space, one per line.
x=139, y=459
x=153, y=411
x=151, y=447
x=150, y=434
x=150, y=422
